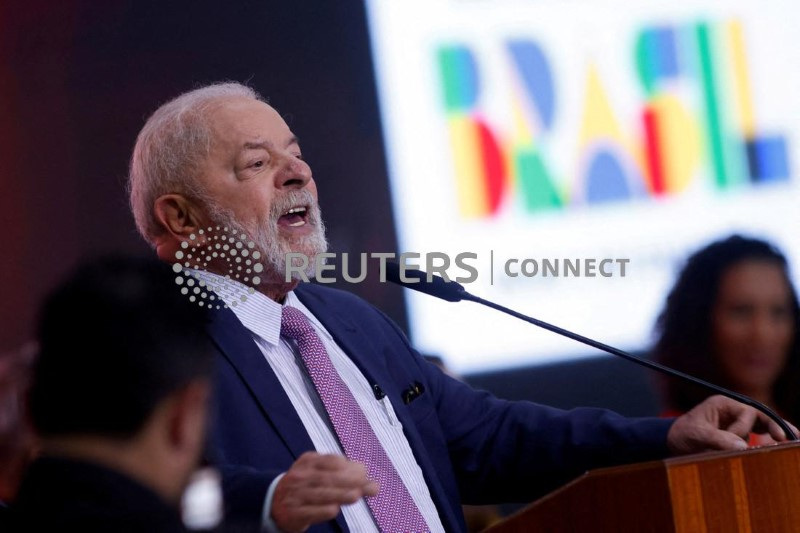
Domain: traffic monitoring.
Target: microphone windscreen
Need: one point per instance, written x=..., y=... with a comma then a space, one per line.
x=438, y=287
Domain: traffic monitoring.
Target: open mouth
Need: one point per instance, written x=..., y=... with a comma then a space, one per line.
x=294, y=217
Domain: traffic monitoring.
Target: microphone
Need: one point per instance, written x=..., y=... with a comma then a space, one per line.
x=437, y=286
x=455, y=292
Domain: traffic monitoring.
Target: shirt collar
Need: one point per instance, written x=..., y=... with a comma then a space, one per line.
x=257, y=312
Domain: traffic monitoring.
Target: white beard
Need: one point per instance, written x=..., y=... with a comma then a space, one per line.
x=266, y=236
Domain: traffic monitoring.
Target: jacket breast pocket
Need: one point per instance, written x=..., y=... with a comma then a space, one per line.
x=420, y=408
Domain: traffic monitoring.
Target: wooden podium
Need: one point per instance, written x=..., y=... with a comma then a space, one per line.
x=757, y=490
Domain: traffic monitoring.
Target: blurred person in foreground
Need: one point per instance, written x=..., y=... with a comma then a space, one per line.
x=327, y=417
x=118, y=396
x=17, y=445
x=732, y=319
x=16, y=440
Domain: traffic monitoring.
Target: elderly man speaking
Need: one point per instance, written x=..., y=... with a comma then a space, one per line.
x=312, y=427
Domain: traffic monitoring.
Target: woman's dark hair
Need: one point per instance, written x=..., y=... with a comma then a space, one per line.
x=684, y=328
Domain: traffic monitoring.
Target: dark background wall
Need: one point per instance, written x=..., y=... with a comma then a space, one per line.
x=77, y=81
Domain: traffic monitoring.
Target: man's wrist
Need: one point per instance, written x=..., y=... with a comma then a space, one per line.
x=267, y=523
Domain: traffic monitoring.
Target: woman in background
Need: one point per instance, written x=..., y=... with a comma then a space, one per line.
x=732, y=319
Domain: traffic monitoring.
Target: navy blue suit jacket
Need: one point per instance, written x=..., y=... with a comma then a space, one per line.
x=471, y=446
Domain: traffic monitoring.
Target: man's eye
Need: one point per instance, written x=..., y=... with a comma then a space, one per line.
x=258, y=164
x=299, y=156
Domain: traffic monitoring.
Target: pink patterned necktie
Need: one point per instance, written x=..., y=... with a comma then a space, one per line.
x=392, y=508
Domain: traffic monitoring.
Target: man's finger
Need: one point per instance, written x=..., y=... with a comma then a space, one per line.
x=743, y=424
x=725, y=441
x=349, y=474
x=774, y=429
x=326, y=461
x=319, y=496
x=314, y=514
x=342, y=470
x=765, y=424
x=371, y=488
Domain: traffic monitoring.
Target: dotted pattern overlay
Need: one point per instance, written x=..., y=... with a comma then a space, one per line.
x=223, y=246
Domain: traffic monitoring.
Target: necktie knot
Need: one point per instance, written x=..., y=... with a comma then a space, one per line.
x=294, y=324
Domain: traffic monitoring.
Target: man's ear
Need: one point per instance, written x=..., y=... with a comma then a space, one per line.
x=188, y=416
x=178, y=215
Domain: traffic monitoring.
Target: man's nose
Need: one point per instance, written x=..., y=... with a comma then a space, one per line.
x=294, y=173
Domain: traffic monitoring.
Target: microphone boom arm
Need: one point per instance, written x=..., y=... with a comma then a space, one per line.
x=638, y=360
x=454, y=292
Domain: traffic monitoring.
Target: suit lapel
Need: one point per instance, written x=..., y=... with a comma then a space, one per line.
x=238, y=347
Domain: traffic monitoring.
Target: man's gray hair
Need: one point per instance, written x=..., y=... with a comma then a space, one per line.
x=171, y=148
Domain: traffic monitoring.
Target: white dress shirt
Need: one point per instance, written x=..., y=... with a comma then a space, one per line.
x=262, y=317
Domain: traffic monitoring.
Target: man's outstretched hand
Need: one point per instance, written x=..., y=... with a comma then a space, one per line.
x=314, y=489
x=719, y=423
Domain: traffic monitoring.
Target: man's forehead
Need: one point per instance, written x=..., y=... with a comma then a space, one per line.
x=246, y=121
x=262, y=143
